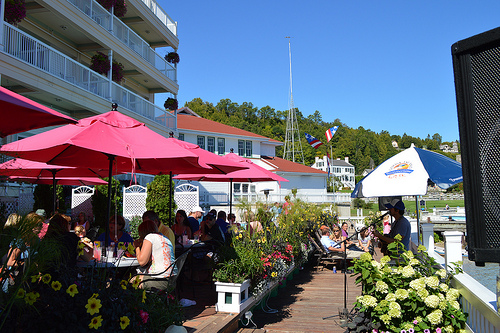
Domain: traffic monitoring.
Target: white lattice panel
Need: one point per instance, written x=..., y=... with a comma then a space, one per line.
x=187, y=196
x=10, y=204
x=134, y=201
x=25, y=202
x=81, y=201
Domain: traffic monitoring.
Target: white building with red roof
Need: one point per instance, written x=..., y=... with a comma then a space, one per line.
x=222, y=139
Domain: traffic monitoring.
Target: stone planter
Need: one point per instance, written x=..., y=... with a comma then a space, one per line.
x=232, y=297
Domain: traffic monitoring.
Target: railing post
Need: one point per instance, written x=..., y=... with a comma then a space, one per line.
x=452, y=247
x=428, y=237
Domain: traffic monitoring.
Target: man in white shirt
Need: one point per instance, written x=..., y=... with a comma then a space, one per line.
x=328, y=244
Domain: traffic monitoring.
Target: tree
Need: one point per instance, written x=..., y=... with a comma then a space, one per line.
x=438, y=138
x=43, y=196
x=158, y=199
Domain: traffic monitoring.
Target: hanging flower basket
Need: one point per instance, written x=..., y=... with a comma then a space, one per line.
x=120, y=6
x=171, y=104
x=117, y=72
x=100, y=63
x=15, y=11
x=172, y=57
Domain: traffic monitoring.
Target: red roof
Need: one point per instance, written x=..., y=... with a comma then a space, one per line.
x=193, y=123
x=283, y=165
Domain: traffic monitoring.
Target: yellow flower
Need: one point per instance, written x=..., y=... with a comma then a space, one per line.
x=46, y=278
x=123, y=284
x=274, y=274
x=31, y=297
x=20, y=293
x=96, y=322
x=121, y=245
x=34, y=278
x=93, y=306
x=56, y=285
x=136, y=282
x=144, y=296
x=124, y=322
x=72, y=290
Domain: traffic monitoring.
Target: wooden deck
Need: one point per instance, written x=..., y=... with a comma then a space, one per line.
x=308, y=298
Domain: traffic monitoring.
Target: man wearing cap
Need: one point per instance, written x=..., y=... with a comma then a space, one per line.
x=400, y=225
x=194, y=218
x=211, y=230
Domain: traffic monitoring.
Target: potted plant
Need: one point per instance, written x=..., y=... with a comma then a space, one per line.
x=100, y=63
x=120, y=8
x=15, y=11
x=171, y=104
x=117, y=72
x=412, y=296
x=172, y=57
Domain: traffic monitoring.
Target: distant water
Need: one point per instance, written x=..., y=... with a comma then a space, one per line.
x=486, y=275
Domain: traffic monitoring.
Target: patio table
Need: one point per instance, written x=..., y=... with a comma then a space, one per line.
x=123, y=262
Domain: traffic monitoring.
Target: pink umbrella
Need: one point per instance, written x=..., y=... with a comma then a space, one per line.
x=114, y=142
x=253, y=173
x=20, y=114
x=19, y=168
x=60, y=181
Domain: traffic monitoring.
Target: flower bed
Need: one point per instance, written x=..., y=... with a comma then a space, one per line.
x=413, y=295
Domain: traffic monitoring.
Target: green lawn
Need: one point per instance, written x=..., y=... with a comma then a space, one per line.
x=410, y=205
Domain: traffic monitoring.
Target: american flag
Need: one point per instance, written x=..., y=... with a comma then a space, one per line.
x=331, y=132
x=313, y=141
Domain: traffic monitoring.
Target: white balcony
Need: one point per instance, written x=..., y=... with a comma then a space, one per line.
x=121, y=31
x=35, y=53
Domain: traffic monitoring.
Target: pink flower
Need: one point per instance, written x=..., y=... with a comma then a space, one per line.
x=438, y=330
x=415, y=322
x=427, y=330
x=144, y=316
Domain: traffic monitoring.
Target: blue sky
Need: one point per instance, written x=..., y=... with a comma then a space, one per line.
x=382, y=65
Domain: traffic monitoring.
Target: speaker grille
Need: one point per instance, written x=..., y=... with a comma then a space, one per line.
x=485, y=70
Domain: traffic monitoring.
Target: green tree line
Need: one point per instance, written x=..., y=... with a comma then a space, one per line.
x=363, y=146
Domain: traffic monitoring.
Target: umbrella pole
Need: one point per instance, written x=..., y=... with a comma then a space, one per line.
x=170, y=201
x=111, y=158
x=54, y=191
x=230, y=195
x=418, y=220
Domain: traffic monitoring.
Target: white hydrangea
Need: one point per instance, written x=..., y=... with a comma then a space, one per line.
x=449, y=329
x=369, y=301
x=408, y=254
x=390, y=297
x=443, y=287
x=401, y=294
x=408, y=271
x=432, y=282
x=414, y=262
x=443, y=305
x=417, y=284
x=385, y=318
x=455, y=305
x=385, y=259
x=435, y=317
x=382, y=287
x=452, y=294
x=394, y=313
x=376, y=264
x=422, y=293
x=394, y=306
x=441, y=273
x=432, y=301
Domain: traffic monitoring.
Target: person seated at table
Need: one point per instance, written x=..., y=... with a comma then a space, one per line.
x=345, y=235
x=221, y=222
x=155, y=253
x=150, y=215
x=210, y=230
x=182, y=226
x=194, y=218
x=89, y=246
x=82, y=221
x=364, y=240
x=116, y=233
x=332, y=244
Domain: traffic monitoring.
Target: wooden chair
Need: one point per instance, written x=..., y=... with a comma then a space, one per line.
x=176, y=269
x=320, y=253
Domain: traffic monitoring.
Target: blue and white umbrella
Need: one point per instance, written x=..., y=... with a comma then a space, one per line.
x=407, y=173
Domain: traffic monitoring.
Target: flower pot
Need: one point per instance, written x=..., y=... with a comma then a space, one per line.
x=232, y=297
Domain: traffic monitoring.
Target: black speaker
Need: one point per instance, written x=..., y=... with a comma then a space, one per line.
x=476, y=65
x=382, y=201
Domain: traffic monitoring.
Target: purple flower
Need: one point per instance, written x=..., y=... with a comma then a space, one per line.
x=438, y=330
x=427, y=330
x=415, y=322
x=403, y=331
x=452, y=316
x=374, y=331
x=411, y=330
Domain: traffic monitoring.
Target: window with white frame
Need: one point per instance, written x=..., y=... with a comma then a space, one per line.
x=241, y=147
x=201, y=141
x=211, y=144
x=221, y=146
x=248, y=148
x=181, y=136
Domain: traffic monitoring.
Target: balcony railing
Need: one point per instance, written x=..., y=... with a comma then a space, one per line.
x=29, y=50
x=121, y=31
x=162, y=16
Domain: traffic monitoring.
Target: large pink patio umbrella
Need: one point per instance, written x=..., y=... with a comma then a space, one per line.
x=77, y=181
x=253, y=173
x=117, y=143
x=19, y=168
x=20, y=114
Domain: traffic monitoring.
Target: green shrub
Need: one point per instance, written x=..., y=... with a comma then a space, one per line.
x=158, y=198
x=100, y=202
